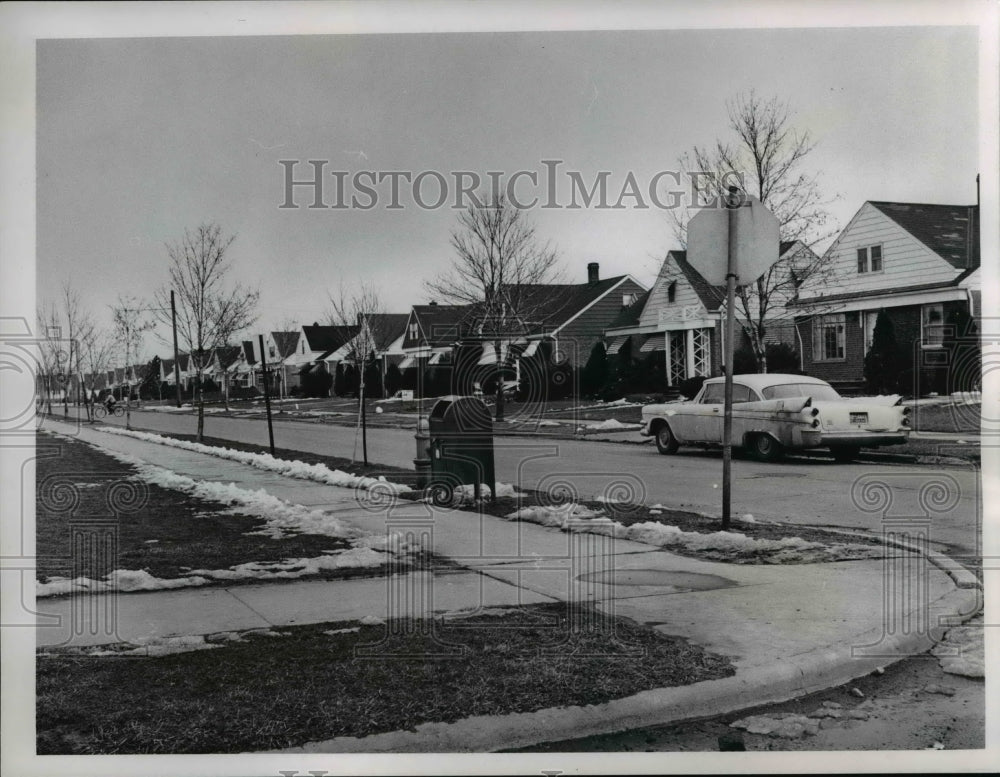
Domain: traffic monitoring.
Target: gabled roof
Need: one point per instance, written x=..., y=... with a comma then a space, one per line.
x=630, y=316
x=553, y=304
x=327, y=338
x=166, y=366
x=286, y=342
x=227, y=354
x=950, y=231
x=386, y=327
x=711, y=296
x=440, y=324
x=248, y=352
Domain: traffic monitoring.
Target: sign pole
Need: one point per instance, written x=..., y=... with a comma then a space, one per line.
x=732, y=205
x=177, y=363
x=267, y=394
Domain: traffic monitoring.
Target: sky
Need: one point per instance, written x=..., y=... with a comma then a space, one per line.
x=139, y=139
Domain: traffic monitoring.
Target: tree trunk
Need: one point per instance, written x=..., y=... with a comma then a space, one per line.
x=364, y=419
x=201, y=407
x=499, y=413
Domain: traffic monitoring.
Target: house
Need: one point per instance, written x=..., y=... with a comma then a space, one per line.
x=917, y=262
x=185, y=367
x=569, y=318
x=683, y=316
x=244, y=371
x=219, y=369
x=573, y=317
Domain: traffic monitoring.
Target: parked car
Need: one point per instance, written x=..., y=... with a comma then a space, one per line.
x=775, y=413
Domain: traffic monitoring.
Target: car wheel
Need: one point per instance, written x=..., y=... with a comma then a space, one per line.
x=765, y=448
x=666, y=443
x=845, y=453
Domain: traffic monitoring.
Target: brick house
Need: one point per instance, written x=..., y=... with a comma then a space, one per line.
x=919, y=263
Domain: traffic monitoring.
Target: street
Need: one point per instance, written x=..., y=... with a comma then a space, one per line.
x=797, y=490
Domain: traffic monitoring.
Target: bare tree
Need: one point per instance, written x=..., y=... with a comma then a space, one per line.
x=50, y=351
x=361, y=307
x=79, y=325
x=209, y=312
x=768, y=155
x=499, y=262
x=96, y=351
x=131, y=322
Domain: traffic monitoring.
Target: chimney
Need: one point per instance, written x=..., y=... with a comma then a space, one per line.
x=593, y=273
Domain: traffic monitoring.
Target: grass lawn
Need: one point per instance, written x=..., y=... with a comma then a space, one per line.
x=269, y=692
x=171, y=534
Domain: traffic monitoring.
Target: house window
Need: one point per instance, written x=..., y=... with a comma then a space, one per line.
x=829, y=338
x=413, y=331
x=870, y=259
x=672, y=291
x=627, y=300
x=932, y=325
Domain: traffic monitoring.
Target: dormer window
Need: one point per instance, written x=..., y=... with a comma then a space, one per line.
x=870, y=259
x=628, y=300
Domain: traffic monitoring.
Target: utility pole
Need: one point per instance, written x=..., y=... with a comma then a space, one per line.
x=177, y=368
x=267, y=394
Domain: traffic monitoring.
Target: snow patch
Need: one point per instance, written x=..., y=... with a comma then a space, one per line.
x=265, y=461
x=612, y=424
x=720, y=545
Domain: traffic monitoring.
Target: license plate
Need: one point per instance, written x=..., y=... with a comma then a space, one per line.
x=859, y=418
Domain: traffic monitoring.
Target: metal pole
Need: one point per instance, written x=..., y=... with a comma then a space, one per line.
x=732, y=204
x=177, y=366
x=267, y=394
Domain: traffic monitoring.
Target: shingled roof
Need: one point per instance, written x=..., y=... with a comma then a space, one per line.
x=553, y=304
x=711, y=296
x=386, y=327
x=950, y=231
x=328, y=338
x=286, y=342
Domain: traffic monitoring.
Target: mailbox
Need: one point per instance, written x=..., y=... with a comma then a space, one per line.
x=461, y=447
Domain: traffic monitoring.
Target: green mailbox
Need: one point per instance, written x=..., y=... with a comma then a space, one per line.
x=461, y=447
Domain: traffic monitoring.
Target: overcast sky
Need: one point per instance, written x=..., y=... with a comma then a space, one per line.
x=138, y=139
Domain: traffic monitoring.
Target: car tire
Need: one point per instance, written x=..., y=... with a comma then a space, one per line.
x=666, y=443
x=765, y=448
x=845, y=454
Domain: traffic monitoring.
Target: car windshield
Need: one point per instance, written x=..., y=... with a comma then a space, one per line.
x=792, y=390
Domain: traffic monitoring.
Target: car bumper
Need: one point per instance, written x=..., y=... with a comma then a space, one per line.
x=862, y=438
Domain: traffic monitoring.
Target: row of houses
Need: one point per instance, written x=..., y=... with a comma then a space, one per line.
x=917, y=262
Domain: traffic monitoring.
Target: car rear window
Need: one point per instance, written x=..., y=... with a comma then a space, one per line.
x=715, y=394
x=792, y=390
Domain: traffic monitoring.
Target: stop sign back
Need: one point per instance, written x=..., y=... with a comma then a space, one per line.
x=756, y=242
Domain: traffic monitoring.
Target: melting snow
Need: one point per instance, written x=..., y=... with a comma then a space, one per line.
x=723, y=545
x=265, y=461
x=613, y=423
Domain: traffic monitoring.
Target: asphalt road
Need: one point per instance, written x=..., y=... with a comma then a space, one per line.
x=944, y=502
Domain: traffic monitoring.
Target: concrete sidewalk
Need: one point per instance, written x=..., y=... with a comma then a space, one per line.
x=789, y=629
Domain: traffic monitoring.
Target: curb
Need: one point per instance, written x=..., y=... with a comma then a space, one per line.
x=795, y=676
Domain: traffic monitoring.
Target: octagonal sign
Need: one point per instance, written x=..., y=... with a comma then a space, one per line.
x=756, y=242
